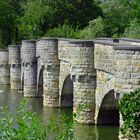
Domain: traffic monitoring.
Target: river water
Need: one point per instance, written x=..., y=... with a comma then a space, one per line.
x=11, y=99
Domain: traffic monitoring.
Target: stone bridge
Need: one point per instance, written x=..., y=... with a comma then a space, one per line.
x=88, y=75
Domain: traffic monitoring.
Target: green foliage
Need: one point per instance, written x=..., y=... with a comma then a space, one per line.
x=76, y=13
x=65, y=30
x=32, y=19
x=60, y=129
x=133, y=31
x=130, y=110
x=25, y=125
x=28, y=19
x=7, y=22
x=94, y=30
x=116, y=17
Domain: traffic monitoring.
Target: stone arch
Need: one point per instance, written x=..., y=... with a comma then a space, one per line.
x=40, y=82
x=108, y=111
x=66, y=99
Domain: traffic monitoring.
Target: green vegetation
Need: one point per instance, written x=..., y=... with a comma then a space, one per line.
x=26, y=125
x=27, y=19
x=94, y=30
x=130, y=111
x=64, y=31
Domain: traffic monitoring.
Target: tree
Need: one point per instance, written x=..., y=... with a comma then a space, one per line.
x=32, y=19
x=75, y=12
x=116, y=17
x=95, y=29
x=133, y=31
x=7, y=22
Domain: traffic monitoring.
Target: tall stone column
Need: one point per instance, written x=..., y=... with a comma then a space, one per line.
x=4, y=68
x=29, y=68
x=49, y=58
x=15, y=66
x=83, y=75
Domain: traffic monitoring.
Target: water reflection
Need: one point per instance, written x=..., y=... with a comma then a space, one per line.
x=11, y=99
x=84, y=132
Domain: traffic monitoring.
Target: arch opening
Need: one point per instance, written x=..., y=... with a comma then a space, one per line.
x=108, y=111
x=67, y=93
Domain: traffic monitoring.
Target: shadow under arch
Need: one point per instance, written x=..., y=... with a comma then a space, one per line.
x=67, y=93
x=40, y=83
x=22, y=82
x=108, y=111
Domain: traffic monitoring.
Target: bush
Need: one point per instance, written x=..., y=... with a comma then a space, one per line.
x=95, y=29
x=65, y=31
x=26, y=125
x=130, y=110
x=133, y=31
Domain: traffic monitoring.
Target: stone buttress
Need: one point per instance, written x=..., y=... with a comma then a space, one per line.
x=4, y=68
x=29, y=68
x=15, y=66
x=51, y=65
x=83, y=75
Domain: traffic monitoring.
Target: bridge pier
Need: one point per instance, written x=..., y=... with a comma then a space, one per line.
x=29, y=68
x=15, y=66
x=49, y=58
x=83, y=75
x=4, y=68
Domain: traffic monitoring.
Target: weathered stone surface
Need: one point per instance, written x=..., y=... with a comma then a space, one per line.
x=29, y=68
x=84, y=80
x=15, y=66
x=4, y=68
x=47, y=50
x=93, y=75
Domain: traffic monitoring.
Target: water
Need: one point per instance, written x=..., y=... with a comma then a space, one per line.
x=11, y=99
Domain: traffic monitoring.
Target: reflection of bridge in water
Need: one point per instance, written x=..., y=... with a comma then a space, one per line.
x=89, y=76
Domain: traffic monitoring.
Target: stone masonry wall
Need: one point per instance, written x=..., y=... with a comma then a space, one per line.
x=105, y=67
x=64, y=72
x=15, y=66
x=64, y=49
x=127, y=68
x=104, y=56
x=29, y=67
x=4, y=68
x=64, y=57
x=84, y=80
x=49, y=58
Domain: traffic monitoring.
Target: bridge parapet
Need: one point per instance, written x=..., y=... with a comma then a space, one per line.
x=64, y=49
x=129, y=41
x=104, y=56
